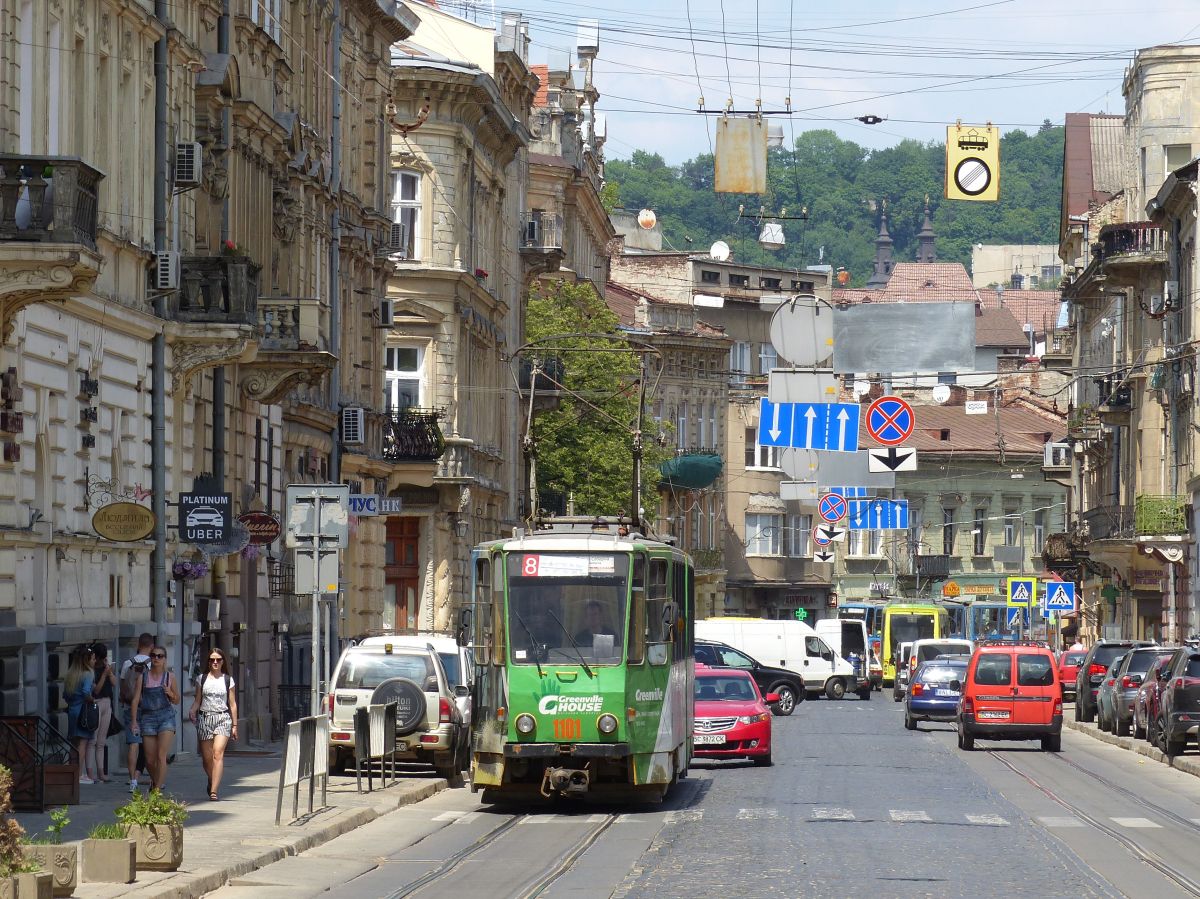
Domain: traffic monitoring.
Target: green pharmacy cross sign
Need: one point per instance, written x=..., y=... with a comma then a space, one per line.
x=801, y=614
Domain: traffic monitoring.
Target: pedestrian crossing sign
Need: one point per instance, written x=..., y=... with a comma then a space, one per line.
x=1022, y=591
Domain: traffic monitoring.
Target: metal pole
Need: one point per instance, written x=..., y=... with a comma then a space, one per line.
x=636, y=511
x=316, y=622
x=158, y=353
x=1172, y=610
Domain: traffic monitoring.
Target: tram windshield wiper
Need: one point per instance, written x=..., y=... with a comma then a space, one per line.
x=574, y=645
x=533, y=643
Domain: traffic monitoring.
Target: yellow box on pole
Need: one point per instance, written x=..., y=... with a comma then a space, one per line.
x=973, y=162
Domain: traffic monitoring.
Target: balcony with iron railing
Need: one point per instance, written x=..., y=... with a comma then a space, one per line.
x=541, y=231
x=1056, y=457
x=1121, y=251
x=48, y=199
x=1060, y=349
x=412, y=435
x=1150, y=516
x=216, y=290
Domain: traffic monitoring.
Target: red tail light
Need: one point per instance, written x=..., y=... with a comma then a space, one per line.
x=1057, y=707
x=330, y=705
x=1128, y=683
x=1096, y=668
x=918, y=689
x=968, y=706
x=443, y=711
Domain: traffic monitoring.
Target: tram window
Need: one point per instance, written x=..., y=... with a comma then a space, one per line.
x=679, y=596
x=658, y=594
x=637, y=618
x=497, y=615
x=482, y=626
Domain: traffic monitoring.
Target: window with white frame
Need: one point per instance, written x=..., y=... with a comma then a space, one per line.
x=268, y=15
x=682, y=435
x=1039, y=531
x=757, y=455
x=406, y=213
x=767, y=358
x=800, y=533
x=1012, y=528
x=979, y=531
x=865, y=543
x=701, y=425
x=714, y=436
x=739, y=362
x=947, y=531
x=404, y=377
x=764, y=534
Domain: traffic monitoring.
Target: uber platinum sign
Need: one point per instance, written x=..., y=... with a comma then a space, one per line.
x=204, y=517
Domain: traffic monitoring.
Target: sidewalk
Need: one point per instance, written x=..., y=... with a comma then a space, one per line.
x=237, y=834
x=1189, y=764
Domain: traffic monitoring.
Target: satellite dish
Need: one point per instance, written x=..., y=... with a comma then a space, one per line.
x=647, y=219
x=862, y=388
x=719, y=251
x=941, y=393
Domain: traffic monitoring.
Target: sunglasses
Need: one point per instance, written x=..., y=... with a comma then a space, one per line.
x=217, y=659
x=158, y=655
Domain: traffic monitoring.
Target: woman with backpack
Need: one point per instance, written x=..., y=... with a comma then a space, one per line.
x=214, y=712
x=153, y=711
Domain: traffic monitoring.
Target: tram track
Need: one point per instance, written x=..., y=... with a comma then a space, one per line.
x=1135, y=848
x=531, y=888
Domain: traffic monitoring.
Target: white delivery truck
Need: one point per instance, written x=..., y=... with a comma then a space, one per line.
x=788, y=644
x=848, y=638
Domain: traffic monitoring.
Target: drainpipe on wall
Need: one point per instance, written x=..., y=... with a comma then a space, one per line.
x=335, y=303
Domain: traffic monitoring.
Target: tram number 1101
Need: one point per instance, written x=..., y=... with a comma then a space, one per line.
x=568, y=728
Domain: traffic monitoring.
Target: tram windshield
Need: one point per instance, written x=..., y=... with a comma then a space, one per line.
x=991, y=623
x=567, y=606
x=912, y=626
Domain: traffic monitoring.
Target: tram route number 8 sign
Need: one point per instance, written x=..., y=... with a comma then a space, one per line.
x=560, y=565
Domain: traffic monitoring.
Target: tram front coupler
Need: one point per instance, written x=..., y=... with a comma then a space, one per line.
x=565, y=782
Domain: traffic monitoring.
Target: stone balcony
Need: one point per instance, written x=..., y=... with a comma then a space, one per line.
x=541, y=243
x=49, y=209
x=1122, y=254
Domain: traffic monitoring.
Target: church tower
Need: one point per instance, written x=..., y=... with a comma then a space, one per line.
x=926, y=252
x=883, y=253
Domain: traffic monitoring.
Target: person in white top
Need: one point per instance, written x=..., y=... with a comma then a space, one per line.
x=214, y=712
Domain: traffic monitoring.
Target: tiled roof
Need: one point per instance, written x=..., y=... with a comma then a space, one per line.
x=998, y=328
x=623, y=302
x=541, y=98
x=854, y=295
x=930, y=282
x=1024, y=431
x=1039, y=308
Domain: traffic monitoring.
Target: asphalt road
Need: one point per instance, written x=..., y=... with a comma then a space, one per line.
x=855, y=805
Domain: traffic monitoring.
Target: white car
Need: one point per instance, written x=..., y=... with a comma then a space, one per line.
x=204, y=516
x=457, y=660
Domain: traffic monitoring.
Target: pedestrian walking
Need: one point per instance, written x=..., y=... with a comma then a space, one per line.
x=105, y=690
x=154, y=698
x=131, y=672
x=214, y=712
x=78, y=686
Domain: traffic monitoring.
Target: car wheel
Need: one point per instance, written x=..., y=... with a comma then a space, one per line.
x=763, y=761
x=787, y=698
x=1085, y=712
x=1173, y=747
x=910, y=723
x=865, y=694
x=1052, y=743
x=1139, y=732
x=1122, y=728
x=896, y=695
x=835, y=689
x=966, y=742
x=1152, y=731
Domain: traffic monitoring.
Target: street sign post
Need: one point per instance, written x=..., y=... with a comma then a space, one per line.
x=204, y=518
x=819, y=426
x=890, y=420
x=894, y=458
x=798, y=491
x=831, y=533
x=878, y=515
x=1022, y=590
x=834, y=468
x=1060, y=596
x=832, y=507
x=318, y=527
x=823, y=555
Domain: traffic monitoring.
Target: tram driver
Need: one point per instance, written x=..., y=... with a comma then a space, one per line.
x=596, y=625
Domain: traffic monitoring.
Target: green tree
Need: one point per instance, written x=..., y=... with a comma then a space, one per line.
x=584, y=447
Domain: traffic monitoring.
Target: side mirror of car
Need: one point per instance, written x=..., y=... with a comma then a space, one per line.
x=462, y=690
x=771, y=698
x=956, y=686
x=463, y=636
x=827, y=656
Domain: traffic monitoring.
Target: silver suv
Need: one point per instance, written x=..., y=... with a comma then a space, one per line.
x=429, y=725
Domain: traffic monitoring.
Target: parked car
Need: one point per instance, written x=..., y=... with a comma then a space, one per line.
x=1145, y=703
x=1011, y=692
x=457, y=660
x=1127, y=680
x=1068, y=670
x=787, y=686
x=429, y=726
x=1092, y=668
x=1104, y=693
x=732, y=719
x=1178, y=702
x=935, y=690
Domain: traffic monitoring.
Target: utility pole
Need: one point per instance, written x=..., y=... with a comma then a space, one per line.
x=158, y=374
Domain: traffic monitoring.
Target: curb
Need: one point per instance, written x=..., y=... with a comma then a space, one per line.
x=200, y=884
x=1189, y=765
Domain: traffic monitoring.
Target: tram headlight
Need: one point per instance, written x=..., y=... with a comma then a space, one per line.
x=607, y=724
x=525, y=724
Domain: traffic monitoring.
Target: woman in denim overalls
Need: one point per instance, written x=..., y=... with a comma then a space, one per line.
x=154, y=700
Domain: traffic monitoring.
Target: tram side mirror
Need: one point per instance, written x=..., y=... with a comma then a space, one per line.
x=463, y=636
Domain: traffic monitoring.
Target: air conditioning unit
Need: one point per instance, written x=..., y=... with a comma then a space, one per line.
x=398, y=240
x=1171, y=292
x=189, y=164
x=386, y=313
x=354, y=424
x=166, y=270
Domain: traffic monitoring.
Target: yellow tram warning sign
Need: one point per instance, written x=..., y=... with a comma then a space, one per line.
x=973, y=162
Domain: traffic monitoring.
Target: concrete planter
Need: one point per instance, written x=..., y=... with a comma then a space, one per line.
x=109, y=861
x=159, y=846
x=61, y=861
x=35, y=886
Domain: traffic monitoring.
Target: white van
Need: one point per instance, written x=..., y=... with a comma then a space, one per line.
x=848, y=637
x=786, y=643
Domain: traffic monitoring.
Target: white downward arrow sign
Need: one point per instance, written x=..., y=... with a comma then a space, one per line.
x=822, y=556
x=775, y=432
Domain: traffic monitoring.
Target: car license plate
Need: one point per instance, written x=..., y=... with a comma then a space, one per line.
x=992, y=713
x=945, y=693
x=709, y=739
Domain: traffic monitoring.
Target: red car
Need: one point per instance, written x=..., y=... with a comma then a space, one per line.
x=732, y=720
x=1145, y=704
x=1068, y=670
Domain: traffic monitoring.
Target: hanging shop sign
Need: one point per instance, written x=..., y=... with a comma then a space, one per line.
x=123, y=522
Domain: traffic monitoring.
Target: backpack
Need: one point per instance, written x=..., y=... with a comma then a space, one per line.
x=225, y=678
x=128, y=685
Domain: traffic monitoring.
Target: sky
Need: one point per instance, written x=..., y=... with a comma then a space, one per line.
x=919, y=64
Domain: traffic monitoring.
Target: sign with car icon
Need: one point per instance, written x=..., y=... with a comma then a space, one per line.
x=204, y=518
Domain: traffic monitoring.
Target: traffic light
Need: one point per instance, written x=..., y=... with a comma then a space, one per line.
x=973, y=162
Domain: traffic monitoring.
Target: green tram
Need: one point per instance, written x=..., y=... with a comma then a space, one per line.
x=582, y=633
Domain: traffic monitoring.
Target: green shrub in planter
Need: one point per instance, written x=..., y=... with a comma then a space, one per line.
x=60, y=860
x=155, y=823
x=109, y=856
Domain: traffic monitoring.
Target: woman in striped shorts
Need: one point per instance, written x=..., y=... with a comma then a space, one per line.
x=214, y=712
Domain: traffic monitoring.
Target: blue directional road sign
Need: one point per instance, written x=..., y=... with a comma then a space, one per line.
x=850, y=492
x=1060, y=597
x=878, y=515
x=816, y=426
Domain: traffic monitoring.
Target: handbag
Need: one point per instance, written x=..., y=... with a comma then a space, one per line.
x=89, y=716
x=115, y=725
